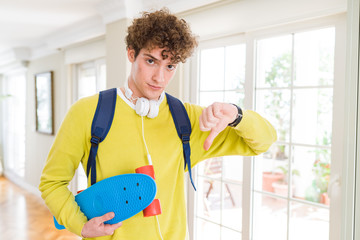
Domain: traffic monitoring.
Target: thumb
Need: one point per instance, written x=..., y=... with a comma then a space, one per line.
x=209, y=140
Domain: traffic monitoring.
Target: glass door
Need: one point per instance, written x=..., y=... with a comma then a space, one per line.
x=294, y=91
x=219, y=180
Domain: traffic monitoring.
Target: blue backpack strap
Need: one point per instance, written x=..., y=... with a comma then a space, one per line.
x=100, y=127
x=183, y=128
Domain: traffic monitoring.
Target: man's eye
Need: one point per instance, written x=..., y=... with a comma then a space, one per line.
x=171, y=67
x=150, y=61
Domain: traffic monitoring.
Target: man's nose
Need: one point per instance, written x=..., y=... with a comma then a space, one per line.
x=159, y=75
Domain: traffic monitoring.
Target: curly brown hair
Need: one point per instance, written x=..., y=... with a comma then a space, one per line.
x=164, y=30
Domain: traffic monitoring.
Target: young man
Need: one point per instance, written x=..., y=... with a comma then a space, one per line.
x=156, y=43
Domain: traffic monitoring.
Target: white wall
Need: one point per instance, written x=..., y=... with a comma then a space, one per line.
x=250, y=15
x=117, y=64
x=37, y=145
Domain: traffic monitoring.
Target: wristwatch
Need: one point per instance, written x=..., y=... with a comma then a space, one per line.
x=238, y=117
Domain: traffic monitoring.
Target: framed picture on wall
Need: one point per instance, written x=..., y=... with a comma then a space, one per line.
x=44, y=104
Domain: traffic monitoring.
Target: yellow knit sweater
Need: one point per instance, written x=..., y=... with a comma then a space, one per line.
x=123, y=151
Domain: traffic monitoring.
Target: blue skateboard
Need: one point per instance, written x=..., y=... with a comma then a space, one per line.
x=125, y=195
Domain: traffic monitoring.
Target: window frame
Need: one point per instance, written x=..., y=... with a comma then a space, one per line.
x=83, y=65
x=351, y=196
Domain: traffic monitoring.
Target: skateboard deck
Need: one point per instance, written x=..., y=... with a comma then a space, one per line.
x=125, y=195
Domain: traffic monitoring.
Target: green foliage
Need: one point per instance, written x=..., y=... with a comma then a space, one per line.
x=278, y=75
x=285, y=170
x=322, y=172
x=280, y=71
x=322, y=165
x=4, y=96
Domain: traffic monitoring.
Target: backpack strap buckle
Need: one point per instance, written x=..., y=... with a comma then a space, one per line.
x=95, y=140
x=185, y=138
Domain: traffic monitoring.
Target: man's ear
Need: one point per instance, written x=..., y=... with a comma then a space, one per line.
x=131, y=54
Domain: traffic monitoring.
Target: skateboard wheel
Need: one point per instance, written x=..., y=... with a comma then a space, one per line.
x=153, y=209
x=148, y=170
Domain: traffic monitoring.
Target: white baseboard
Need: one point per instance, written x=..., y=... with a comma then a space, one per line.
x=13, y=177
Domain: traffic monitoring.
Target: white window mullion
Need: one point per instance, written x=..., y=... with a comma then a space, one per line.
x=247, y=194
x=290, y=133
x=222, y=196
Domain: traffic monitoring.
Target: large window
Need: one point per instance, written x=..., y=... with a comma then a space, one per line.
x=12, y=100
x=283, y=193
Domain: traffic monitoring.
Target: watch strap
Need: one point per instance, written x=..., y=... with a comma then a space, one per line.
x=238, y=117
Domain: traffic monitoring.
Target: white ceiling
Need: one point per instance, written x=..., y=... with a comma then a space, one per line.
x=30, y=29
x=23, y=23
x=42, y=25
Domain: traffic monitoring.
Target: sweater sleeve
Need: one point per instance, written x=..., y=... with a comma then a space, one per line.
x=64, y=157
x=252, y=136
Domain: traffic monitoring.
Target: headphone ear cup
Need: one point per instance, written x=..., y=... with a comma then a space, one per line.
x=142, y=107
x=154, y=109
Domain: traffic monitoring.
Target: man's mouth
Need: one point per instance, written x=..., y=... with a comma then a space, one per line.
x=156, y=88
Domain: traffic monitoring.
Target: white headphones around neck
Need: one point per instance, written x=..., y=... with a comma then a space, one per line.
x=144, y=106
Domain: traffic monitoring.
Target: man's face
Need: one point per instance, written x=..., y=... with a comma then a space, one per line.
x=150, y=73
